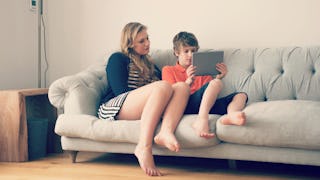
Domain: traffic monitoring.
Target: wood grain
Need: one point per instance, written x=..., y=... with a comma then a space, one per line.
x=16, y=106
x=95, y=166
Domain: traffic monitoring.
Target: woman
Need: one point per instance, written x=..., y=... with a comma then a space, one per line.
x=136, y=92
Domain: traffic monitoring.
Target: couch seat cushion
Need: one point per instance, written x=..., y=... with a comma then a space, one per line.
x=90, y=127
x=287, y=123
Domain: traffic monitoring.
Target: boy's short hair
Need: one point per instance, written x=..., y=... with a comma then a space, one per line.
x=185, y=39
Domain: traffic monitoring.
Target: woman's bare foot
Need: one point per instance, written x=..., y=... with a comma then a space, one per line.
x=234, y=118
x=201, y=126
x=168, y=140
x=146, y=161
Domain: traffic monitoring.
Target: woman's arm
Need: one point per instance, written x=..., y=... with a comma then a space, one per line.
x=157, y=72
x=117, y=73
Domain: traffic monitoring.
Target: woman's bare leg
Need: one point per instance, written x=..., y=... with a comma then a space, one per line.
x=201, y=125
x=235, y=114
x=172, y=116
x=146, y=103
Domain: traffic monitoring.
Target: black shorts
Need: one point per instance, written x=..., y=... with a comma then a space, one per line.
x=219, y=107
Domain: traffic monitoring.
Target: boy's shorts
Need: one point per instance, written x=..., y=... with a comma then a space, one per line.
x=219, y=107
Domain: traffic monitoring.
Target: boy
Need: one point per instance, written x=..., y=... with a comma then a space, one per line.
x=204, y=90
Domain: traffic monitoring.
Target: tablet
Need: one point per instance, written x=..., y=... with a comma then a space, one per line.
x=206, y=62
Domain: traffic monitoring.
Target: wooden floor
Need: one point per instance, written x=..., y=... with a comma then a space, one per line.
x=93, y=166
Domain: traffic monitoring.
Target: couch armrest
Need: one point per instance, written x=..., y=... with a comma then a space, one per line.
x=79, y=93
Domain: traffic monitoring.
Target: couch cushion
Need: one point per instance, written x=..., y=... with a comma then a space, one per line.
x=90, y=127
x=288, y=123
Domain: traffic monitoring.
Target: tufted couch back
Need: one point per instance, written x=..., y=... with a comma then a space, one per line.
x=265, y=74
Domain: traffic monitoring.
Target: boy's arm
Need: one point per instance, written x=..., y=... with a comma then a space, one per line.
x=168, y=75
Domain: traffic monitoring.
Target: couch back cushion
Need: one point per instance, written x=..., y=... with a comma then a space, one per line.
x=288, y=73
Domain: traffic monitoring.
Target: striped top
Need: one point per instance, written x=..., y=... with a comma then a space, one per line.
x=135, y=80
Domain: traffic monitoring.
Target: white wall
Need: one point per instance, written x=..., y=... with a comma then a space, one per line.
x=81, y=32
x=18, y=45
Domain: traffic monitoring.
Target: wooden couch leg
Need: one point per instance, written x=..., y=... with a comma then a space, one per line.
x=73, y=155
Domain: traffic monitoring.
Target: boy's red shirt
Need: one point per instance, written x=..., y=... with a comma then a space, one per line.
x=177, y=73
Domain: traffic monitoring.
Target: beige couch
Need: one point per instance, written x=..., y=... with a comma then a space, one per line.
x=283, y=111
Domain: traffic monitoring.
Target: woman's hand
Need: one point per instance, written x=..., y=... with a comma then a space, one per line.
x=222, y=68
x=190, y=74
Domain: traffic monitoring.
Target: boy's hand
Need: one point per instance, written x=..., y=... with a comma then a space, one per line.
x=222, y=68
x=190, y=74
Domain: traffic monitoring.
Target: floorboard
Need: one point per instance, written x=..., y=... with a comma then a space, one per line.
x=95, y=166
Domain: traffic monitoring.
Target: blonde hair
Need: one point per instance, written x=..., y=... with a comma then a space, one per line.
x=128, y=35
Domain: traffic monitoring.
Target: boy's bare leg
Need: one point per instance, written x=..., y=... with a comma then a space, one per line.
x=201, y=125
x=172, y=116
x=235, y=114
x=146, y=103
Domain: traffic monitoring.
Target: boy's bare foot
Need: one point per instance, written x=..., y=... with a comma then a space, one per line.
x=168, y=140
x=146, y=161
x=201, y=126
x=234, y=118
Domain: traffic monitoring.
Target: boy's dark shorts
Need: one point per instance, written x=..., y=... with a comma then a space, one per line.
x=219, y=107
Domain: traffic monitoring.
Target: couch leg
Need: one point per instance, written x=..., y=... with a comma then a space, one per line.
x=232, y=164
x=73, y=155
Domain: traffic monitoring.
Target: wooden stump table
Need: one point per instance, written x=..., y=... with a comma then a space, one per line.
x=16, y=107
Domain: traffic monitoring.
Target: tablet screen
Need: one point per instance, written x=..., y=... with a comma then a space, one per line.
x=206, y=62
